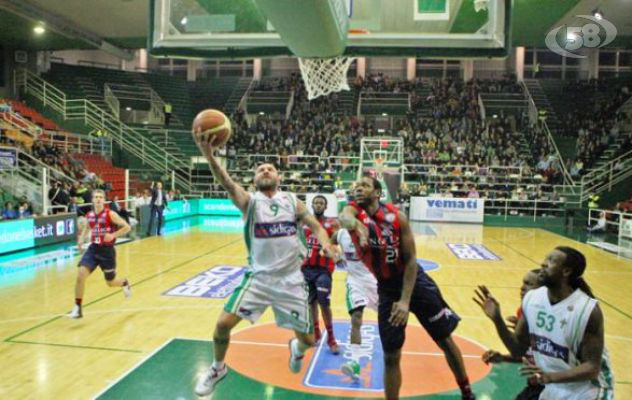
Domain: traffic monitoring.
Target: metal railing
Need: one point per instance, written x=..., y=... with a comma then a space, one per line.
x=22, y=124
x=568, y=179
x=517, y=207
x=96, y=118
x=110, y=99
x=604, y=177
x=31, y=177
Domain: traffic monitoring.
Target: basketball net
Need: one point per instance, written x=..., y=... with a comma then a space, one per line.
x=379, y=167
x=323, y=76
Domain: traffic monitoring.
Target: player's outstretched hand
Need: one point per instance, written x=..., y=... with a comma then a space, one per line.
x=205, y=142
x=363, y=234
x=487, y=302
x=399, y=313
x=529, y=370
x=492, y=356
x=331, y=251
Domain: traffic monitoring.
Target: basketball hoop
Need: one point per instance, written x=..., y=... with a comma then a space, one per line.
x=323, y=76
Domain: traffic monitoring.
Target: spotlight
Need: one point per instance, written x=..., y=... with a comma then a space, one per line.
x=598, y=13
x=39, y=30
x=184, y=20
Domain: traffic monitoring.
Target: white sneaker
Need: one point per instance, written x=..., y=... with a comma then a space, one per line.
x=75, y=313
x=127, y=290
x=296, y=360
x=206, y=383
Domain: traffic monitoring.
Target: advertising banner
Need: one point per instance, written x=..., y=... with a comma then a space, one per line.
x=54, y=229
x=16, y=235
x=447, y=209
x=8, y=159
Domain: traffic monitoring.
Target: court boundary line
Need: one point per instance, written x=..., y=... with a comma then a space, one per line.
x=11, y=338
x=75, y=346
x=601, y=300
x=134, y=367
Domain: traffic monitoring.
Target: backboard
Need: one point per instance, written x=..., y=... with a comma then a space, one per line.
x=397, y=28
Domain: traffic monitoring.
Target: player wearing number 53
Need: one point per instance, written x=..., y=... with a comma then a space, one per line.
x=563, y=324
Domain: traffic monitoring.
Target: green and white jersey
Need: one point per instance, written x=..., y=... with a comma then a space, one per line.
x=356, y=270
x=556, y=332
x=274, y=242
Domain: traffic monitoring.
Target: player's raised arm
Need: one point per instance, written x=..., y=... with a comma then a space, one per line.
x=349, y=221
x=206, y=144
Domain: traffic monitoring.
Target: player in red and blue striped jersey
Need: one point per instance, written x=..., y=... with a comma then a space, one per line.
x=317, y=270
x=384, y=242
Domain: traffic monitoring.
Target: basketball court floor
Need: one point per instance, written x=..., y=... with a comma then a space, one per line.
x=153, y=345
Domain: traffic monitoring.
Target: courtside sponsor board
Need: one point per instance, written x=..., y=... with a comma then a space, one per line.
x=214, y=283
x=324, y=369
x=472, y=252
x=447, y=209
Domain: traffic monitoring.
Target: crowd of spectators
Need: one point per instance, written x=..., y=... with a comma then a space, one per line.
x=595, y=122
x=454, y=138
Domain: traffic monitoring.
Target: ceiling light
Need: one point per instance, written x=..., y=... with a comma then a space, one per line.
x=597, y=13
x=384, y=114
x=184, y=20
x=128, y=108
x=39, y=30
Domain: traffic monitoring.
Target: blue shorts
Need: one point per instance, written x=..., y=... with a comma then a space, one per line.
x=100, y=256
x=426, y=303
x=319, y=284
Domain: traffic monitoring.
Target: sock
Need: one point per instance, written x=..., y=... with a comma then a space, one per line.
x=78, y=302
x=464, y=385
x=296, y=349
x=354, y=349
x=330, y=333
x=218, y=365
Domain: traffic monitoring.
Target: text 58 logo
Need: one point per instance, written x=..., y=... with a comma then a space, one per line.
x=588, y=35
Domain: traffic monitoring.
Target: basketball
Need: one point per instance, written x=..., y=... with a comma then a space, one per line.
x=213, y=122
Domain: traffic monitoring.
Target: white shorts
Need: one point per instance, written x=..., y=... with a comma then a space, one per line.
x=361, y=293
x=286, y=295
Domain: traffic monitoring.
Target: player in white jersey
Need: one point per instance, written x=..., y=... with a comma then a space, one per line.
x=361, y=293
x=275, y=255
x=564, y=326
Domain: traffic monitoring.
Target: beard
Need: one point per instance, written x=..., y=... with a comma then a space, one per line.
x=547, y=280
x=265, y=184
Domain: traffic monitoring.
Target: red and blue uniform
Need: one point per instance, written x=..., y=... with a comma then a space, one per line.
x=383, y=258
x=317, y=268
x=100, y=253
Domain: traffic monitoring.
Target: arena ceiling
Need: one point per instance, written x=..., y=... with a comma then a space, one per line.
x=124, y=23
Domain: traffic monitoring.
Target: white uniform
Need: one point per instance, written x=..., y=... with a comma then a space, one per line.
x=556, y=333
x=276, y=250
x=361, y=284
